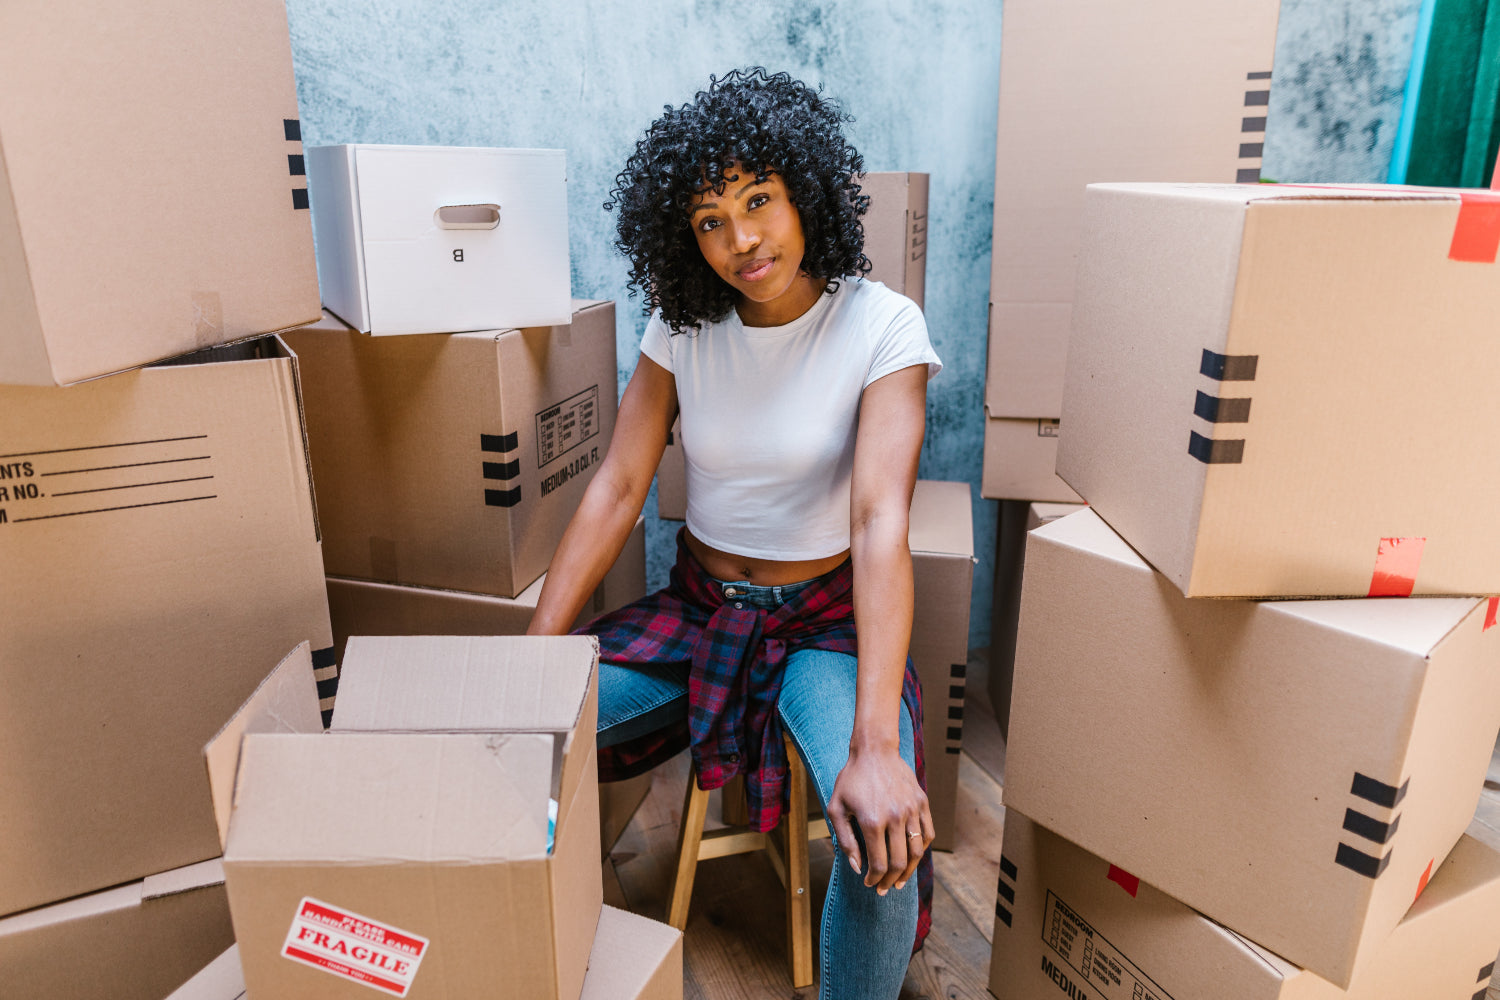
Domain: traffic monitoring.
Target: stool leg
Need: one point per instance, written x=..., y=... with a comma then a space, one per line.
x=694, y=812
x=798, y=878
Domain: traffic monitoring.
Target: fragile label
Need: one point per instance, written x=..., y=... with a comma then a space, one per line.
x=566, y=425
x=354, y=947
x=1092, y=966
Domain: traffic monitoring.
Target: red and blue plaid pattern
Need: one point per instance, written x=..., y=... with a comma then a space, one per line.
x=736, y=656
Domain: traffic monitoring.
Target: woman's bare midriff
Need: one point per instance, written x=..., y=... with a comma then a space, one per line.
x=763, y=572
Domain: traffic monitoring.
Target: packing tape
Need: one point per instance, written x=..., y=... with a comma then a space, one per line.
x=1426, y=877
x=1396, y=564
x=1489, y=614
x=1476, y=237
x=1124, y=880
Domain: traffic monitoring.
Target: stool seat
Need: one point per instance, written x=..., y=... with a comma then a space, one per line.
x=786, y=846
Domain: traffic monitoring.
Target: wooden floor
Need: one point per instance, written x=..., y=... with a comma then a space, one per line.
x=735, y=947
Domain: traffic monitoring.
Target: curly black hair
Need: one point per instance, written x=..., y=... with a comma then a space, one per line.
x=766, y=122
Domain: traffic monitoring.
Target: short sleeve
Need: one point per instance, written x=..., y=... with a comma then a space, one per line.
x=656, y=343
x=902, y=341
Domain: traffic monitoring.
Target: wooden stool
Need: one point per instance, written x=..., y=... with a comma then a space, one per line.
x=786, y=846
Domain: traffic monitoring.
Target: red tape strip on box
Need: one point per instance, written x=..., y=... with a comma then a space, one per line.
x=1426, y=877
x=1125, y=880
x=1396, y=563
x=1476, y=238
x=1490, y=614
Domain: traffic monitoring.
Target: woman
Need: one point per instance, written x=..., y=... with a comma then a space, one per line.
x=801, y=388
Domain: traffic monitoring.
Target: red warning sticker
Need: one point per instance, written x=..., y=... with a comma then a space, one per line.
x=1396, y=564
x=354, y=947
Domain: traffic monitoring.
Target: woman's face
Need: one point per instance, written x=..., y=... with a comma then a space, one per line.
x=751, y=235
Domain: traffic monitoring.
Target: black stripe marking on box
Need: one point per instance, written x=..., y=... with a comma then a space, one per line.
x=958, y=670
x=323, y=657
x=502, y=470
x=1252, y=150
x=956, y=691
x=328, y=687
x=1378, y=792
x=296, y=164
x=956, y=712
x=1487, y=971
x=1480, y=994
x=1229, y=367
x=1252, y=124
x=293, y=129
x=955, y=733
x=502, y=498
x=1370, y=828
x=1008, y=868
x=1008, y=894
x=1003, y=914
x=1257, y=98
x=500, y=442
x=1262, y=75
x=1211, y=452
x=1361, y=863
x=299, y=198
x=1247, y=175
x=670, y=439
x=952, y=750
x=1218, y=410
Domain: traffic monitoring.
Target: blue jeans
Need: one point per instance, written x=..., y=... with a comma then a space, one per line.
x=866, y=937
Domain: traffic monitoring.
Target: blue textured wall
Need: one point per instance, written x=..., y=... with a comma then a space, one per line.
x=920, y=80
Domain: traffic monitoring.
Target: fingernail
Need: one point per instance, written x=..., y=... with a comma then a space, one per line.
x=881, y=892
x=854, y=864
x=900, y=885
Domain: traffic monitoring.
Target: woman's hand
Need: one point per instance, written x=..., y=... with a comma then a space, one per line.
x=879, y=791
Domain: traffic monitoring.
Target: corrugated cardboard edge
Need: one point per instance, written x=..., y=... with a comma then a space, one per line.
x=185, y=879
x=24, y=357
x=286, y=701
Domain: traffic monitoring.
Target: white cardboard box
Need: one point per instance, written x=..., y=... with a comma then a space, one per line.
x=441, y=239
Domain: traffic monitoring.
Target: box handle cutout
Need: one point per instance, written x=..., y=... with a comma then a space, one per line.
x=467, y=216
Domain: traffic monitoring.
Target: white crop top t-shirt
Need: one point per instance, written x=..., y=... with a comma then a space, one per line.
x=769, y=416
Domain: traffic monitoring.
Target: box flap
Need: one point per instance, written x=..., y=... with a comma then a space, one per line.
x=184, y=879
x=464, y=683
x=121, y=897
x=942, y=520
x=1247, y=193
x=630, y=954
x=285, y=702
x=365, y=798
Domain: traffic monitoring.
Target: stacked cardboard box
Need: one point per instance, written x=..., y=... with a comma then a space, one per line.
x=1296, y=770
x=463, y=766
x=1092, y=90
x=157, y=527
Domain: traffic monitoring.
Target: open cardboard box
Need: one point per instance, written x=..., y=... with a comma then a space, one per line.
x=1285, y=391
x=414, y=838
x=455, y=461
x=1295, y=770
x=1068, y=923
x=160, y=545
x=633, y=958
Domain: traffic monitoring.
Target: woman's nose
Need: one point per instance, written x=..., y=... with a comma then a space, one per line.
x=745, y=237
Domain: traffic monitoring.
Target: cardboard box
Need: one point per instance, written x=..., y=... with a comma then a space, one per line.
x=438, y=239
x=1020, y=461
x=1071, y=924
x=455, y=461
x=362, y=607
x=633, y=958
x=1094, y=90
x=1306, y=405
x=159, y=543
x=895, y=243
x=1292, y=769
x=896, y=231
x=151, y=196
x=134, y=942
x=1016, y=519
x=941, y=538
x=422, y=821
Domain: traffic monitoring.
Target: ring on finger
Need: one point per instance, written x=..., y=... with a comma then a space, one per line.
x=914, y=834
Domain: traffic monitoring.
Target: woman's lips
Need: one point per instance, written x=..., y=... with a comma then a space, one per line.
x=756, y=269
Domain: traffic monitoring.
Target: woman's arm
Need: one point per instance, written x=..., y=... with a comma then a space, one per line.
x=877, y=787
x=613, y=500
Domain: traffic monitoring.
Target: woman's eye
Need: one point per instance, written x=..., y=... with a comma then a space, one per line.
x=708, y=225
x=758, y=200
